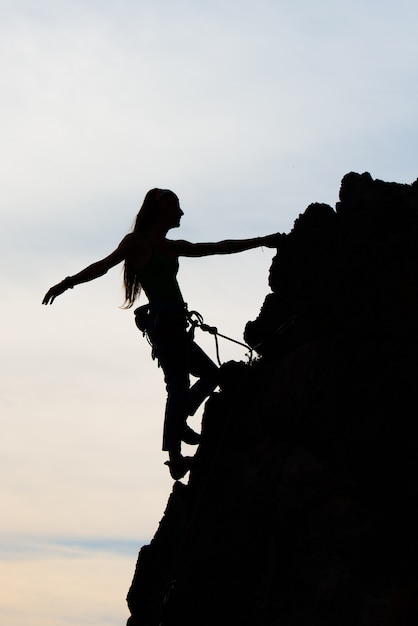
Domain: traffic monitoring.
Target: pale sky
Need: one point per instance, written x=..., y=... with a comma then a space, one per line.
x=249, y=111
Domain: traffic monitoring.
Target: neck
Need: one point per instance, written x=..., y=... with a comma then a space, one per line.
x=157, y=231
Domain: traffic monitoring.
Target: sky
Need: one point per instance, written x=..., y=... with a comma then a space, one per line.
x=249, y=110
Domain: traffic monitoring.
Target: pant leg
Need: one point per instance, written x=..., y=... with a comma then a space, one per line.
x=178, y=356
x=206, y=371
x=173, y=356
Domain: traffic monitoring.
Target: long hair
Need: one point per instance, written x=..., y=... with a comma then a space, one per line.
x=144, y=220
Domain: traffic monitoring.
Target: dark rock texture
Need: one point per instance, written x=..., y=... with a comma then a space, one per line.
x=302, y=509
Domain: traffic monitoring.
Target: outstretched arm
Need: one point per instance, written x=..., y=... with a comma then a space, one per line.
x=229, y=246
x=95, y=270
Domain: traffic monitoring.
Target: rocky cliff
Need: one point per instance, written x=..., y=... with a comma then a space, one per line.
x=301, y=509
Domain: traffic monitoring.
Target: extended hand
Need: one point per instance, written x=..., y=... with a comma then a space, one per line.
x=273, y=241
x=54, y=292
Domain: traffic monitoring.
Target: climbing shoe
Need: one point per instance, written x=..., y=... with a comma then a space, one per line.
x=180, y=466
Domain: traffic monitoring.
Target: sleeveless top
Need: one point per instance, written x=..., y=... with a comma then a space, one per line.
x=159, y=279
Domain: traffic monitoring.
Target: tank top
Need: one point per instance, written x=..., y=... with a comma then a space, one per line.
x=159, y=279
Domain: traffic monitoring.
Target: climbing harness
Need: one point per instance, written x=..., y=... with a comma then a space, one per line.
x=195, y=319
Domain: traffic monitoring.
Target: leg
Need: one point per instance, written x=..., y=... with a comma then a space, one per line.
x=205, y=369
x=173, y=358
x=166, y=329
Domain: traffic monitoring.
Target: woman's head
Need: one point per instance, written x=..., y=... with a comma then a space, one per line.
x=154, y=206
x=160, y=205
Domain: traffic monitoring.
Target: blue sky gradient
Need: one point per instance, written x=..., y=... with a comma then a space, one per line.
x=249, y=111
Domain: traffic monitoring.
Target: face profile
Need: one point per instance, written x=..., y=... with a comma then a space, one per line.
x=170, y=209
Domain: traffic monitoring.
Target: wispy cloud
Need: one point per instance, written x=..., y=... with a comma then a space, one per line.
x=65, y=583
x=23, y=547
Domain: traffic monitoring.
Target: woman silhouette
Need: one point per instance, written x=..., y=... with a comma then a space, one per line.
x=151, y=263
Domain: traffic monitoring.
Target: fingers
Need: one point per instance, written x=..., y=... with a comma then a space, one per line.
x=49, y=296
x=270, y=241
x=276, y=239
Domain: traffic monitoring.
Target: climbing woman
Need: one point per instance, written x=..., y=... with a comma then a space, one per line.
x=151, y=263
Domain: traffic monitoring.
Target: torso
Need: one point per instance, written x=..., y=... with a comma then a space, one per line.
x=157, y=268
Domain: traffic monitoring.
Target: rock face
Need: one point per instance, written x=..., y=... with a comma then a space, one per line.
x=302, y=508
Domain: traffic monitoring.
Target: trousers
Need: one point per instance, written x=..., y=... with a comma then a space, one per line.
x=179, y=357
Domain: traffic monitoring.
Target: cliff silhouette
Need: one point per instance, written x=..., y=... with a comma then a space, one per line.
x=301, y=509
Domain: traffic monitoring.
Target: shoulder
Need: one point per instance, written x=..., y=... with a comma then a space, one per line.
x=138, y=250
x=134, y=242
x=130, y=240
x=178, y=247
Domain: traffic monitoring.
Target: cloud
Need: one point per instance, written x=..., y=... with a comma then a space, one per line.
x=50, y=584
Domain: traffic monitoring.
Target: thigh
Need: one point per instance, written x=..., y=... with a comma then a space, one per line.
x=200, y=365
x=173, y=356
